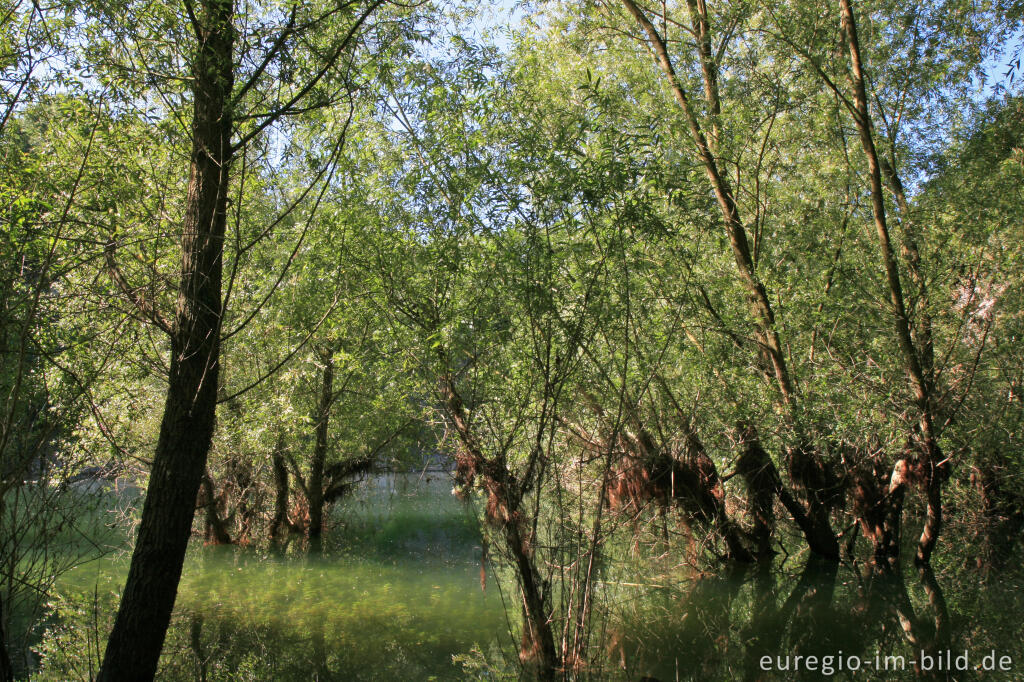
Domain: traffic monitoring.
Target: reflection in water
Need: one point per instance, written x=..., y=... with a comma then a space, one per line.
x=829, y=621
x=401, y=594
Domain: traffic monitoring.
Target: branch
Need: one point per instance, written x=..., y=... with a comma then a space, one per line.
x=142, y=304
x=285, y=108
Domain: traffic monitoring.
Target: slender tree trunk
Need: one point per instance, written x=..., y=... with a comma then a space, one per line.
x=1002, y=512
x=216, y=530
x=760, y=304
x=316, y=471
x=919, y=383
x=766, y=333
x=921, y=332
x=186, y=429
x=280, y=519
x=6, y=667
x=502, y=511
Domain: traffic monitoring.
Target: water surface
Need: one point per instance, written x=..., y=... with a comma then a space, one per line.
x=397, y=596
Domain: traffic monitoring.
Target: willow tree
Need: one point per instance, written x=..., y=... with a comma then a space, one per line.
x=902, y=94
x=759, y=171
x=692, y=77
x=237, y=75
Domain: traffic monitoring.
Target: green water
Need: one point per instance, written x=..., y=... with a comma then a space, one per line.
x=397, y=595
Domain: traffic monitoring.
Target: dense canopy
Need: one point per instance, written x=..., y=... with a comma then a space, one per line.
x=749, y=271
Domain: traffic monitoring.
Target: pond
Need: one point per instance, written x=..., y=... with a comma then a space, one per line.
x=398, y=596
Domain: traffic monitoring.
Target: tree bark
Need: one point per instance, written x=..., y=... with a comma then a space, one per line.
x=6, y=668
x=820, y=538
x=766, y=333
x=504, y=499
x=316, y=470
x=760, y=493
x=216, y=529
x=919, y=383
x=280, y=518
x=186, y=429
x=760, y=305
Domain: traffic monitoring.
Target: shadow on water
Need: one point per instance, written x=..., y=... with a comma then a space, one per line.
x=398, y=594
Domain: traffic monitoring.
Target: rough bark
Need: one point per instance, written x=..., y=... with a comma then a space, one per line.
x=186, y=429
x=919, y=382
x=241, y=477
x=536, y=623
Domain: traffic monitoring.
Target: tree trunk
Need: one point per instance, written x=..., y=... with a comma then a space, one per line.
x=536, y=625
x=316, y=470
x=502, y=511
x=133, y=650
x=240, y=474
x=216, y=530
x=765, y=331
x=756, y=474
x=6, y=668
x=820, y=538
x=708, y=486
x=280, y=518
x=920, y=383
x=878, y=503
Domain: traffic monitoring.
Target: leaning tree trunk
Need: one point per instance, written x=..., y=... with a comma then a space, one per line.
x=537, y=625
x=186, y=429
x=504, y=498
x=821, y=537
x=920, y=383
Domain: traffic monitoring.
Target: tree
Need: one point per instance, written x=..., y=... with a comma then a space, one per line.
x=225, y=118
